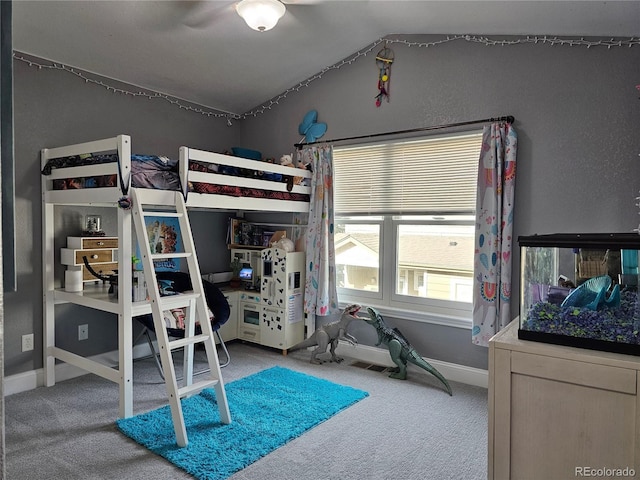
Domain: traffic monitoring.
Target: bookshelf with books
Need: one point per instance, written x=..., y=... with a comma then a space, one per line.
x=245, y=234
x=249, y=235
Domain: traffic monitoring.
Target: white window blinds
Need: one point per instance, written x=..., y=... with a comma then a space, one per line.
x=435, y=175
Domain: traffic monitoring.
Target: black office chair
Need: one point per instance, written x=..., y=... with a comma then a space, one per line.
x=216, y=301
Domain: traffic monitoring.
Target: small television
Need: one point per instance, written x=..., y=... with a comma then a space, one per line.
x=246, y=274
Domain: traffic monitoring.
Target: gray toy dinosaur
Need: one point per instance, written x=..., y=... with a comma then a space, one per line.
x=329, y=334
x=400, y=349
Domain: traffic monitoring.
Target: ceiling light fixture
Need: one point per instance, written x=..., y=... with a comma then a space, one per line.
x=261, y=15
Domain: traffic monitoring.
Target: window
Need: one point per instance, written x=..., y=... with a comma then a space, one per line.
x=405, y=224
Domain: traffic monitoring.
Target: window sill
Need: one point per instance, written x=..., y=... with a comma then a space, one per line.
x=456, y=321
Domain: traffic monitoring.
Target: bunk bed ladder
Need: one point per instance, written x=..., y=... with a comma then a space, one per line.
x=196, y=310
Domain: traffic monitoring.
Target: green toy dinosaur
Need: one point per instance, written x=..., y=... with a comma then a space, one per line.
x=400, y=349
x=329, y=334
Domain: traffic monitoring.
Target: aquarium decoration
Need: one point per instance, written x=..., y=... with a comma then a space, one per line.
x=592, y=294
x=581, y=290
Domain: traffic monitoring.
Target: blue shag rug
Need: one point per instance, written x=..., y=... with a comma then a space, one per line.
x=268, y=409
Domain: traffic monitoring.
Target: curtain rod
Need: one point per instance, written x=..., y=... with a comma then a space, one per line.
x=506, y=118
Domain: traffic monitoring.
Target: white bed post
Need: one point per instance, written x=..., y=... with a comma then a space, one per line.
x=48, y=305
x=125, y=321
x=183, y=166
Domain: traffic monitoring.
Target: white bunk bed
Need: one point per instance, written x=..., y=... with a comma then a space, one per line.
x=116, y=192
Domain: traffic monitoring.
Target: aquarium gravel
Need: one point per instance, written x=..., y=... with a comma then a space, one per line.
x=620, y=324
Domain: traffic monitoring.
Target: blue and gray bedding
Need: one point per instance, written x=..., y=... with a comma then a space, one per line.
x=147, y=171
x=150, y=171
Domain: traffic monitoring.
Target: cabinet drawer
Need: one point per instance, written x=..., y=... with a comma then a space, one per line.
x=605, y=377
x=103, y=269
x=92, y=242
x=94, y=256
x=248, y=333
x=70, y=256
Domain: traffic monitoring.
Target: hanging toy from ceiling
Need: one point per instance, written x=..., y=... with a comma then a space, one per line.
x=384, y=59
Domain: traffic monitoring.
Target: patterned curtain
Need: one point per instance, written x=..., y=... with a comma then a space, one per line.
x=320, y=294
x=494, y=227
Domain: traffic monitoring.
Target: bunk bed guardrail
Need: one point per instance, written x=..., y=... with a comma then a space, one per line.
x=204, y=177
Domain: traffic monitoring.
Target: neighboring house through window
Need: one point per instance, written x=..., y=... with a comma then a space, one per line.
x=405, y=223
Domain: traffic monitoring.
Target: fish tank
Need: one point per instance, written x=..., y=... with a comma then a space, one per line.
x=581, y=290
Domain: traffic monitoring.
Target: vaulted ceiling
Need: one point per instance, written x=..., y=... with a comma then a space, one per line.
x=202, y=51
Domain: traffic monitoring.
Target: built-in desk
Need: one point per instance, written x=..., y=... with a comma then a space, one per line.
x=96, y=295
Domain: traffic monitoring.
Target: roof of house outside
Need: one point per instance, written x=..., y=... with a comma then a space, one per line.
x=421, y=251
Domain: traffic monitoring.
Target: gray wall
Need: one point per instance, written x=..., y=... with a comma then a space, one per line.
x=577, y=116
x=54, y=108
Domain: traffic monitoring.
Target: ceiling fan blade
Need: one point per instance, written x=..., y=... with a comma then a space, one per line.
x=302, y=2
x=203, y=13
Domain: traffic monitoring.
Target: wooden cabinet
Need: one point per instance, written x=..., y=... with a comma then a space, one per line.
x=271, y=326
x=277, y=329
x=560, y=412
x=229, y=331
x=282, y=290
x=249, y=310
x=101, y=253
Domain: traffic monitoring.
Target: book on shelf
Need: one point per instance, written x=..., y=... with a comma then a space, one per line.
x=139, y=287
x=244, y=233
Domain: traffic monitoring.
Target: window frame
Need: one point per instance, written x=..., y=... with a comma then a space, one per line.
x=366, y=294
x=428, y=310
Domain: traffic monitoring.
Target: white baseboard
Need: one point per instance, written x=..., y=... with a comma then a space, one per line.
x=451, y=371
x=23, y=382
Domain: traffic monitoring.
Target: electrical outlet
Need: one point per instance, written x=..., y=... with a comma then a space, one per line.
x=27, y=342
x=83, y=332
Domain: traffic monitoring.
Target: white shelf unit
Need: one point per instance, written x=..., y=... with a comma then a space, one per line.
x=93, y=296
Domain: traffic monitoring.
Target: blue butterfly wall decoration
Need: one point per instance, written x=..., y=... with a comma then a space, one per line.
x=310, y=128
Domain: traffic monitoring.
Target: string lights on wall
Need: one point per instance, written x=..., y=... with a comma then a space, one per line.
x=189, y=106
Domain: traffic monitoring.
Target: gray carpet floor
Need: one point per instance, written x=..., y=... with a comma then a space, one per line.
x=406, y=430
